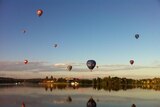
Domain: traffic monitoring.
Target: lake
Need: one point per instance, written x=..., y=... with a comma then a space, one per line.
x=50, y=96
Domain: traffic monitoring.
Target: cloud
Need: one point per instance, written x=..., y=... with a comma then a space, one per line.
x=35, y=67
x=75, y=66
x=60, y=65
x=156, y=63
x=63, y=64
x=79, y=67
x=20, y=66
x=42, y=69
x=117, y=67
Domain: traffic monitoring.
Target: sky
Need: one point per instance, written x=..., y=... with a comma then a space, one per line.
x=102, y=30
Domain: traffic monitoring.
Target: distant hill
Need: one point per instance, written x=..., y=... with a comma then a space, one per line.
x=7, y=80
x=13, y=80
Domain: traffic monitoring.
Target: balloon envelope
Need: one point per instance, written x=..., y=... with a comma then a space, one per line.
x=136, y=36
x=39, y=12
x=55, y=45
x=131, y=62
x=24, y=31
x=91, y=64
x=25, y=61
x=69, y=67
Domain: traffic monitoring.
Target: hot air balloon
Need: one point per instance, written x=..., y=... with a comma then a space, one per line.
x=133, y=105
x=24, y=31
x=91, y=103
x=131, y=62
x=39, y=12
x=91, y=64
x=136, y=36
x=69, y=67
x=23, y=105
x=55, y=45
x=25, y=61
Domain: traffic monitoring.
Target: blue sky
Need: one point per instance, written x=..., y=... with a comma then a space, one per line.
x=102, y=30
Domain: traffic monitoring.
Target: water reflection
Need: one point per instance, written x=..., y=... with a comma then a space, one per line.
x=69, y=99
x=133, y=105
x=62, y=100
x=60, y=95
x=115, y=87
x=91, y=103
x=50, y=87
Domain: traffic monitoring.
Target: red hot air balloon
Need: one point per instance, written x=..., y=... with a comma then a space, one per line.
x=39, y=12
x=131, y=62
x=25, y=61
x=23, y=105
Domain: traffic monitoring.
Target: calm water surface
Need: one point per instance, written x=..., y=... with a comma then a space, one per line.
x=39, y=96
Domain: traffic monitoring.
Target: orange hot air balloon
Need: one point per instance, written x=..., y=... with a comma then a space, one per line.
x=69, y=67
x=25, y=61
x=131, y=62
x=39, y=12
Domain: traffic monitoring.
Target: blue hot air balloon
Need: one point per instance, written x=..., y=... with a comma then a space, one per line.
x=136, y=36
x=55, y=45
x=91, y=64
